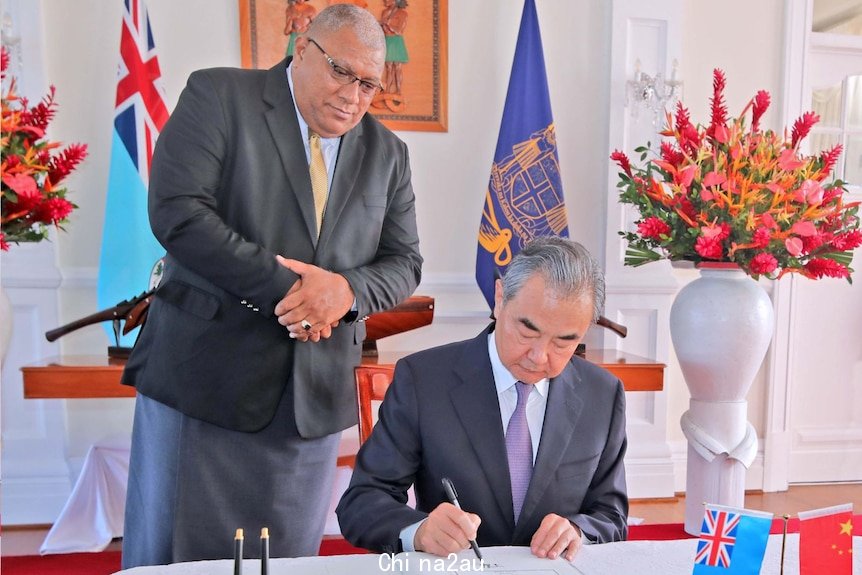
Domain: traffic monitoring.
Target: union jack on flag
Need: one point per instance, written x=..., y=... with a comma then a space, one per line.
x=732, y=541
x=717, y=538
x=140, y=110
x=129, y=249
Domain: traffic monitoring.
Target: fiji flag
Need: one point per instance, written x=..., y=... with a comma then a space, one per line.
x=129, y=249
x=524, y=198
x=732, y=541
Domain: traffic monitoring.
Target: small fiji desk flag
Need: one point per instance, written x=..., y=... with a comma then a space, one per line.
x=129, y=249
x=732, y=541
x=524, y=198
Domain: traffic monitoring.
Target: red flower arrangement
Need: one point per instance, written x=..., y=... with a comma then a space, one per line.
x=733, y=193
x=31, y=169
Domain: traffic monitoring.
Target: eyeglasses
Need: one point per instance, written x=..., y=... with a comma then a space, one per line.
x=343, y=76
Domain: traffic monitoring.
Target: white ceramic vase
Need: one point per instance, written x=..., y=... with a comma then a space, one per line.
x=721, y=325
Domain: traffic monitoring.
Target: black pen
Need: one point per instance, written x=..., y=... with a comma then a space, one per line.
x=237, y=553
x=452, y=495
x=264, y=551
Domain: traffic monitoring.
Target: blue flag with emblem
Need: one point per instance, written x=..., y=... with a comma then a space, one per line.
x=129, y=250
x=524, y=198
x=732, y=541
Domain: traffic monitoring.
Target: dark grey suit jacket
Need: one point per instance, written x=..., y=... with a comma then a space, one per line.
x=230, y=189
x=441, y=418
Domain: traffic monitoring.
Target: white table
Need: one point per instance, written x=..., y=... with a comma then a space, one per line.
x=94, y=514
x=95, y=510
x=630, y=557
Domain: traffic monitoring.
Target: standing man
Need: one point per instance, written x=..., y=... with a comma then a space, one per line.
x=532, y=436
x=287, y=213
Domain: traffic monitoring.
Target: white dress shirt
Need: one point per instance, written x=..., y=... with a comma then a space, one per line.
x=507, y=396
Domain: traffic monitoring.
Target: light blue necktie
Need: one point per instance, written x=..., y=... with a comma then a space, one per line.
x=519, y=448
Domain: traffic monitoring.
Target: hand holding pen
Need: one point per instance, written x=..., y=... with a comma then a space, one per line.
x=452, y=496
x=447, y=529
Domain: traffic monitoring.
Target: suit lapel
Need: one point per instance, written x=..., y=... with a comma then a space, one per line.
x=561, y=416
x=350, y=156
x=474, y=399
x=287, y=138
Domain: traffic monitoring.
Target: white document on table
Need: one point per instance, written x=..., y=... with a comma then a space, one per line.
x=496, y=561
x=625, y=558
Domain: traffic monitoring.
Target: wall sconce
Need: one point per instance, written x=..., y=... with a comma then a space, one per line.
x=653, y=93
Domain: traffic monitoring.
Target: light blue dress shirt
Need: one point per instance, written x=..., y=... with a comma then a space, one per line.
x=329, y=146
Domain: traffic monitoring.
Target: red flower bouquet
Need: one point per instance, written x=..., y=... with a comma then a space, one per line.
x=32, y=168
x=730, y=192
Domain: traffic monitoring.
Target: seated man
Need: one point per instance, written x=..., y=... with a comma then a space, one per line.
x=531, y=435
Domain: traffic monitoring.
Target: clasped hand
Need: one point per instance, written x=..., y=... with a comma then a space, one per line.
x=315, y=303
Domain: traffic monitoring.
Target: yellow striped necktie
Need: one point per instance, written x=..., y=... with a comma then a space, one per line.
x=319, y=180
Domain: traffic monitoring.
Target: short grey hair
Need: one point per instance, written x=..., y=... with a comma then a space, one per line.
x=333, y=18
x=567, y=267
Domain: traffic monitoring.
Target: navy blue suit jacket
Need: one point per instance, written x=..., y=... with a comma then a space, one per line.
x=441, y=418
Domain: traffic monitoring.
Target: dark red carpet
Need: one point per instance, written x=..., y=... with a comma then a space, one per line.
x=103, y=563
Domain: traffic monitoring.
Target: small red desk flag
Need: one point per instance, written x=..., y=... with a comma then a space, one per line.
x=826, y=541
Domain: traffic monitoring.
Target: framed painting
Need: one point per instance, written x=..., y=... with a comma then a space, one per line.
x=415, y=77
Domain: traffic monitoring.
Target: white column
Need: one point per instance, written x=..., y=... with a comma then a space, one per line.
x=35, y=474
x=648, y=33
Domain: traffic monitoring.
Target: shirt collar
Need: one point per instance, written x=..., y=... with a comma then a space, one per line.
x=503, y=379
